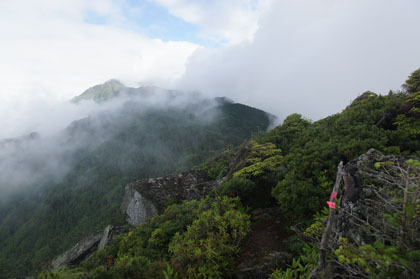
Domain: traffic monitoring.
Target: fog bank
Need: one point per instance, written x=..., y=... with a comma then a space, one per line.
x=313, y=57
x=57, y=136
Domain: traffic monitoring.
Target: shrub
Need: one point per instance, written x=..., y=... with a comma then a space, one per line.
x=240, y=187
x=208, y=247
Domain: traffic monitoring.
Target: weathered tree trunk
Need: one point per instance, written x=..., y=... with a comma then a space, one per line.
x=330, y=220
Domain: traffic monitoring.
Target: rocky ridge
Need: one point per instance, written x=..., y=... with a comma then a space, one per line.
x=143, y=199
x=146, y=198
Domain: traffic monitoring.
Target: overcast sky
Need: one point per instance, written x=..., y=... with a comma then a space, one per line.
x=311, y=57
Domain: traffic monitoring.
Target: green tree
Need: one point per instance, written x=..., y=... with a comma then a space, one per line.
x=409, y=120
x=412, y=84
x=262, y=159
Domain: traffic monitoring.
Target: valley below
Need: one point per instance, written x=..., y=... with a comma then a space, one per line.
x=159, y=183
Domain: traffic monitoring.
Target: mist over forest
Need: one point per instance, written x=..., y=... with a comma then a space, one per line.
x=41, y=158
x=209, y=139
x=72, y=180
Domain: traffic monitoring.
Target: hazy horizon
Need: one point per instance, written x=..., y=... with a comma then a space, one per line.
x=280, y=56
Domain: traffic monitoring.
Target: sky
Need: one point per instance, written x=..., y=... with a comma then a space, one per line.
x=311, y=57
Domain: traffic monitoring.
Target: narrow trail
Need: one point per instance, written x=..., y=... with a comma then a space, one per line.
x=263, y=249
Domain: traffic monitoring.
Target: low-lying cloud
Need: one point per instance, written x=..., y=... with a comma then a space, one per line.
x=61, y=134
x=314, y=57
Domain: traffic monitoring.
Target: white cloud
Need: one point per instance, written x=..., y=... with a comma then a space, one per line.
x=48, y=53
x=311, y=57
x=233, y=21
x=314, y=57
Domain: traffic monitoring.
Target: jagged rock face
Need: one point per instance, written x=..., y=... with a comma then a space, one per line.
x=146, y=198
x=85, y=248
x=138, y=208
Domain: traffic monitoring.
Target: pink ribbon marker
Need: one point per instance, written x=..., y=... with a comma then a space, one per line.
x=333, y=195
x=331, y=204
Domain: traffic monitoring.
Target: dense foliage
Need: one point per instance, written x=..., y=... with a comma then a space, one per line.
x=315, y=150
x=196, y=239
x=310, y=153
x=297, y=160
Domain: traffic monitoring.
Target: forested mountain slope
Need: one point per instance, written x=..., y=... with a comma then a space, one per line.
x=136, y=136
x=290, y=171
x=296, y=164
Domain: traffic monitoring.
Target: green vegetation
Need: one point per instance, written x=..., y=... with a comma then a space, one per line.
x=300, y=267
x=310, y=153
x=390, y=247
x=387, y=123
x=196, y=239
x=262, y=160
x=292, y=166
x=410, y=121
x=240, y=187
x=218, y=166
x=314, y=152
x=394, y=249
x=148, y=144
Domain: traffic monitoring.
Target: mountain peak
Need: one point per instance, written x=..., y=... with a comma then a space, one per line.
x=113, y=82
x=101, y=92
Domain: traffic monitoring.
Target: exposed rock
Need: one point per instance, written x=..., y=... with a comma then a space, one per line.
x=85, y=248
x=142, y=200
x=79, y=252
x=136, y=207
x=106, y=237
x=146, y=198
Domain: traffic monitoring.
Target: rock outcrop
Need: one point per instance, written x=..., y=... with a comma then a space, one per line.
x=85, y=248
x=136, y=208
x=143, y=199
x=146, y=198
